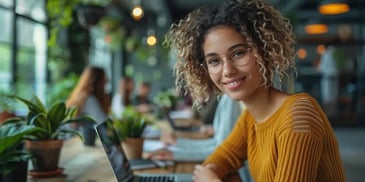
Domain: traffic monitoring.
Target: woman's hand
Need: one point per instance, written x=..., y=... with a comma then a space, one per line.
x=168, y=138
x=205, y=173
x=162, y=154
x=207, y=130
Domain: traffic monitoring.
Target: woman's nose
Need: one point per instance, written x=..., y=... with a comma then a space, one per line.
x=228, y=67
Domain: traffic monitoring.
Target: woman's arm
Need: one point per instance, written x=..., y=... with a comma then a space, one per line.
x=230, y=155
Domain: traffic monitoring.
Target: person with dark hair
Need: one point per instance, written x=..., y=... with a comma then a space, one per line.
x=90, y=98
x=123, y=97
x=89, y=94
x=245, y=49
x=141, y=100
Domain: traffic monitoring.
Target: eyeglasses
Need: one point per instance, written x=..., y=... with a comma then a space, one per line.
x=238, y=57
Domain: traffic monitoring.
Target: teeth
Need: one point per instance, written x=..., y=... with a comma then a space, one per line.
x=232, y=83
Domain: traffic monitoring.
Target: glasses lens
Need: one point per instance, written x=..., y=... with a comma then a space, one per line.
x=240, y=58
x=211, y=69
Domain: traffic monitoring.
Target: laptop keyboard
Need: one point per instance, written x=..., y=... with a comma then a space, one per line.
x=156, y=178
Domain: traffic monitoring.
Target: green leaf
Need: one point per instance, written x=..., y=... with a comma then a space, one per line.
x=63, y=132
x=81, y=119
x=14, y=135
x=56, y=115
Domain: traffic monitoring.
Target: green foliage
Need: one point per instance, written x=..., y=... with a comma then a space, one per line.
x=62, y=89
x=11, y=150
x=131, y=125
x=60, y=13
x=49, y=121
x=166, y=99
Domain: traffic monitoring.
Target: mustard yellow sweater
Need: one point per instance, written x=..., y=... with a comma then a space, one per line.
x=296, y=143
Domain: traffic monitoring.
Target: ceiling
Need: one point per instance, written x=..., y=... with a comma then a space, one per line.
x=162, y=13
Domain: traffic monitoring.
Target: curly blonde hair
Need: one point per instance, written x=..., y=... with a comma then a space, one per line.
x=264, y=27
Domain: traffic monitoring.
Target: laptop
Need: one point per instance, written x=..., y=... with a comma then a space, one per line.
x=175, y=127
x=121, y=166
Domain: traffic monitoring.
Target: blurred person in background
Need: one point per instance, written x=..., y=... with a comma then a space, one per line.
x=141, y=100
x=123, y=97
x=329, y=81
x=90, y=98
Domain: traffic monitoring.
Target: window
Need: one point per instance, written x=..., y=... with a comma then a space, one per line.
x=5, y=49
x=32, y=8
x=23, y=47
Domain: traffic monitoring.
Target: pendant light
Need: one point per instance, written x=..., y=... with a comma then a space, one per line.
x=317, y=28
x=333, y=7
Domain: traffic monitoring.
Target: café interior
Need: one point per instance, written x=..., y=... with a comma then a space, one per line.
x=46, y=44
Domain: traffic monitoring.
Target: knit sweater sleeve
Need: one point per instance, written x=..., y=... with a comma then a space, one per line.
x=229, y=156
x=300, y=140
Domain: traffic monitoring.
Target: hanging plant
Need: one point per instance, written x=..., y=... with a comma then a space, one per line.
x=60, y=13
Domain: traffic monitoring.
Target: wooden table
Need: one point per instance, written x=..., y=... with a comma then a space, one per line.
x=89, y=164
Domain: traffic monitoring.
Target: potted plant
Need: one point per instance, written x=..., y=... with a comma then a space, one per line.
x=129, y=129
x=13, y=157
x=7, y=109
x=45, y=145
x=166, y=101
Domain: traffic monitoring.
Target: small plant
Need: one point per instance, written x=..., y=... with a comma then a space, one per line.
x=49, y=121
x=166, y=99
x=11, y=150
x=131, y=125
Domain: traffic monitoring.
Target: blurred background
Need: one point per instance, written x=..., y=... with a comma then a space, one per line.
x=46, y=44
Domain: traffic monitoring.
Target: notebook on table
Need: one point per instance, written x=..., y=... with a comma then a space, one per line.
x=175, y=127
x=121, y=166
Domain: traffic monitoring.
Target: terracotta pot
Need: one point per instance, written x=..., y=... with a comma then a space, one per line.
x=6, y=115
x=46, y=153
x=133, y=147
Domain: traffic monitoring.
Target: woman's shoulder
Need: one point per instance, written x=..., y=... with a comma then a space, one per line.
x=299, y=98
x=300, y=103
x=302, y=113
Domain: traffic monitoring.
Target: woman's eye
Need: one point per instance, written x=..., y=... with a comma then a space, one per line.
x=213, y=62
x=238, y=54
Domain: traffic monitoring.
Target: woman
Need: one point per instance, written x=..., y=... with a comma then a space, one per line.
x=90, y=97
x=239, y=49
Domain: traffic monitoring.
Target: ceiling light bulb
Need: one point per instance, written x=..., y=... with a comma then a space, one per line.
x=137, y=12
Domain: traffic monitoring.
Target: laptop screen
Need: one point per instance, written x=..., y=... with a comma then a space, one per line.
x=115, y=154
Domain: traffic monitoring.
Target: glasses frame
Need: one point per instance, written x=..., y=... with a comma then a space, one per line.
x=205, y=66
